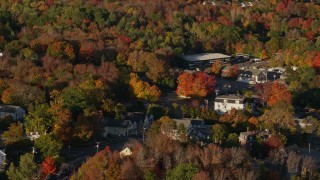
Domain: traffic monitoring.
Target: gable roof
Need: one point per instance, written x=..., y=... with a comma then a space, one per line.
x=117, y=123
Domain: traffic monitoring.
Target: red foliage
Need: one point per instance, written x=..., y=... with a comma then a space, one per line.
x=48, y=166
x=316, y=62
x=279, y=92
x=125, y=39
x=198, y=84
x=294, y=22
x=310, y=35
x=274, y=142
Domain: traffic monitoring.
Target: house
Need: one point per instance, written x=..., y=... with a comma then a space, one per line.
x=225, y=103
x=148, y=121
x=254, y=75
x=120, y=128
x=16, y=112
x=2, y=160
x=198, y=129
x=204, y=60
x=246, y=4
x=125, y=152
x=249, y=137
x=138, y=119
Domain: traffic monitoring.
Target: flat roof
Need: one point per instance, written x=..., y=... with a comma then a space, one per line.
x=205, y=56
x=230, y=96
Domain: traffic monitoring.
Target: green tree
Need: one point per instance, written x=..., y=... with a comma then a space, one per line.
x=27, y=169
x=182, y=171
x=232, y=140
x=49, y=145
x=219, y=132
x=39, y=119
x=120, y=110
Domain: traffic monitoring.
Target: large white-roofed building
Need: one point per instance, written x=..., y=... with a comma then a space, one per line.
x=204, y=60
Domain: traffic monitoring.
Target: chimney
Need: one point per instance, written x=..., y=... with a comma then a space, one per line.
x=248, y=129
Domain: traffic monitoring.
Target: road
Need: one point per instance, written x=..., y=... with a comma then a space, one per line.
x=77, y=155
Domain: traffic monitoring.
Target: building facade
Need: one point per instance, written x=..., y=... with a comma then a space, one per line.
x=16, y=112
x=225, y=103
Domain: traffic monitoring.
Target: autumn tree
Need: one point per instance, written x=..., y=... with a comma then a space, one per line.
x=195, y=85
x=280, y=116
x=14, y=133
x=232, y=71
x=216, y=67
x=22, y=94
x=94, y=167
x=62, y=50
x=143, y=90
x=48, y=166
x=89, y=126
x=279, y=93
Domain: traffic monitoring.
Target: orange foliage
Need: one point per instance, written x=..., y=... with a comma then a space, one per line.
x=48, y=166
x=198, y=84
x=143, y=90
x=6, y=96
x=279, y=92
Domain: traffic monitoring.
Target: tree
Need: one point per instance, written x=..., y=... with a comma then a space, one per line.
x=219, y=132
x=49, y=145
x=27, y=169
x=182, y=171
x=232, y=71
x=167, y=125
x=14, y=134
x=195, y=85
x=120, y=110
x=216, y=67
x=39, y=119
x=88, y=126
x=279, y=93
x=280, y=116
x=232, y=140
x=275, y=142
x=48, y=166
x=94, y=167
x=23, y=95
x=143, y=90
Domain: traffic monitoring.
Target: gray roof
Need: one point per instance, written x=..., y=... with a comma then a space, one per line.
x=9, y=108
x=205, y=56
x=230, y=96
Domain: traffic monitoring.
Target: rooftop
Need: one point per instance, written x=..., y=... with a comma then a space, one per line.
x=205, y=56
x=9, y=108
x=230, y=96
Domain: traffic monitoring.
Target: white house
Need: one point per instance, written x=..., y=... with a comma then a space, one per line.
x=125, y=152
x=225, y=103
x=16, y=112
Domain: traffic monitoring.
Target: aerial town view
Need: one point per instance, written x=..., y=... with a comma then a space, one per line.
x=159, y=90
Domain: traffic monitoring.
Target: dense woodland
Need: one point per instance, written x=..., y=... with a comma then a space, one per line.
x=71, y=63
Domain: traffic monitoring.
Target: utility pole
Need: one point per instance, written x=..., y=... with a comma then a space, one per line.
x=144, y=129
